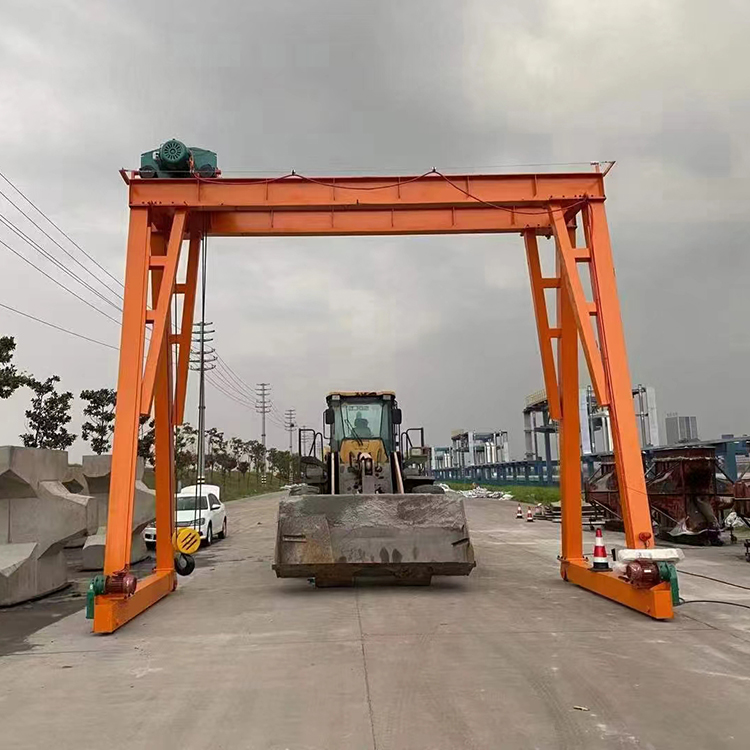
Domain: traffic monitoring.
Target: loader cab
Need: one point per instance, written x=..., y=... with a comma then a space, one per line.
x=356, y=419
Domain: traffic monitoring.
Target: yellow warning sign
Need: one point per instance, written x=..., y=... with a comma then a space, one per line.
x=187, y=541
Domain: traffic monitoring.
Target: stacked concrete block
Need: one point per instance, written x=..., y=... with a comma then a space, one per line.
x=96, y=471
x=38, y=516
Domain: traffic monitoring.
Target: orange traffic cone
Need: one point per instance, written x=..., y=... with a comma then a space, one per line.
x=529, y=516
x=600, y=553
x=519, y=512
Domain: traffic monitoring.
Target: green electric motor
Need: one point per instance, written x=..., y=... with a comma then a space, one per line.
x=173, y=159
x=97, y=586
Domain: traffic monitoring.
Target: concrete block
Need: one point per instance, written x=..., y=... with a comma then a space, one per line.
x=38, y=516
x=97, y=471
x=93, y=550
x=28, y=573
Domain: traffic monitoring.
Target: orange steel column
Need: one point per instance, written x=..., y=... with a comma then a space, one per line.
x=125, y=444
x=570, y=426
x=630, y=475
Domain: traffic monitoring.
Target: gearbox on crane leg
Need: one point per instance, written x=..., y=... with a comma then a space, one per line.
x=372, y=510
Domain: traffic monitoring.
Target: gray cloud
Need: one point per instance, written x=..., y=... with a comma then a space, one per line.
x=396, y=87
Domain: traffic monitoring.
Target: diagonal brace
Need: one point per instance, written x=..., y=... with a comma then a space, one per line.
x=161, y=310
x=546, y=334
x=184, y=338
x=568, y=255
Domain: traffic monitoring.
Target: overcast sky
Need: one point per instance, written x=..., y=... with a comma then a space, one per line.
x=392, y=86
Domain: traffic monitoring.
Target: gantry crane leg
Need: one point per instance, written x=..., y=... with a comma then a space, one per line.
x=153, y=256
x=604, y=350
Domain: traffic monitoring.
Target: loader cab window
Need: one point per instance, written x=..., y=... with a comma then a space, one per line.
x=362, y=421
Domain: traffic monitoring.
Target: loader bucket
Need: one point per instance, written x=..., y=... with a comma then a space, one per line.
x=334, y=539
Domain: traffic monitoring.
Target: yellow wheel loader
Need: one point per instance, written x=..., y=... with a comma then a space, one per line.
x=364, y=509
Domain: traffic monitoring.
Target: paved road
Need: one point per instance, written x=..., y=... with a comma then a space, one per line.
x=238, y=659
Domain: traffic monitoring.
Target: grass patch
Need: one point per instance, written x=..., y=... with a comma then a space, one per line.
x=233, y=485
x=521, y=492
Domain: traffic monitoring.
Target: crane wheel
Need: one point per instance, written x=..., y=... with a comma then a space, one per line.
x=184, y=564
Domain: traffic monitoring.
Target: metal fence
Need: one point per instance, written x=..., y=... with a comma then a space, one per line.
x=537, y=473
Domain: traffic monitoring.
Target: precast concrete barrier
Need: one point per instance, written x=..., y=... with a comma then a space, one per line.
x=39, y=514
x=97, y=472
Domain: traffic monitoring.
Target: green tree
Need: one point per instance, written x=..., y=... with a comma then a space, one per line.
x=10, y=379
x=185, y=456
x=227, y=463
x=280, y=462
x=243, y=467
x=215, y=445
x=237, y=449
x=273, y=460
x=257, y=454
x=48, y=415
x=101, y=418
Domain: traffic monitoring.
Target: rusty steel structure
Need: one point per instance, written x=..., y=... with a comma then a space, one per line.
x=569, y=207
x=687, y=492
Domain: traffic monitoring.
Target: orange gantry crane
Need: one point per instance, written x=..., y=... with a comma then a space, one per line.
x=167, y=213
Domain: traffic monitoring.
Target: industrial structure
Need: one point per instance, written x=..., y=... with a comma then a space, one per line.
x=469, y=448
x=468, y=460
x=681, y=430
x=168, y=206
x=596, y=421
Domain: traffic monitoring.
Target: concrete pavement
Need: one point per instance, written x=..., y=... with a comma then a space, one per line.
x=238, y=659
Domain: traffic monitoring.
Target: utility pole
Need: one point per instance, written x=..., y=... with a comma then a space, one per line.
x=263, y=407
x=289, y=424
x=290, y=418
x=201, y=360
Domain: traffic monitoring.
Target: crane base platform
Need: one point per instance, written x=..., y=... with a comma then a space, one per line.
x=655, y=602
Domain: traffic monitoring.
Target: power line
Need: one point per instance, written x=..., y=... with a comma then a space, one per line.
x=59, y=283
x=232, y=391
x=226, y=393
x=227, y=376
x=67, y=237
x=231, y=373
x=51, y=258
x=59, y=328
x=221, y=374
x=234, y=383
x=202, y=330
